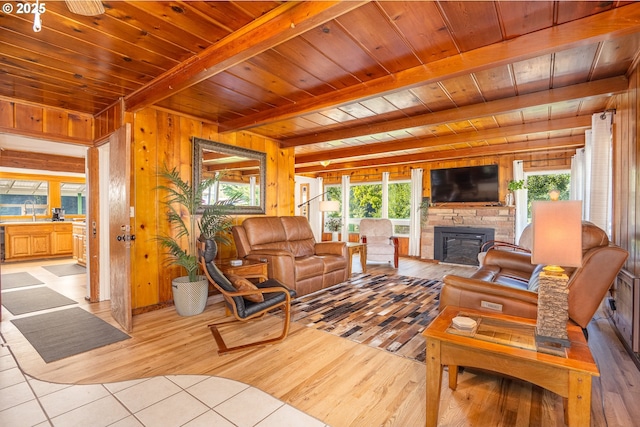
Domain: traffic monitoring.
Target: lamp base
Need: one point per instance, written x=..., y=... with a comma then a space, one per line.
x=552, y=345
x=553, y=314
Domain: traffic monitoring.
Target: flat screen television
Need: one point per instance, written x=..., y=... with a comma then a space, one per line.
x=467, y=184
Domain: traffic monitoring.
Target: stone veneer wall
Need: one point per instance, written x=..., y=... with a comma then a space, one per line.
x=500, y=218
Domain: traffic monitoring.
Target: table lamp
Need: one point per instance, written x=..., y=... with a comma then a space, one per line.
x=557, y=243
x=329, y=206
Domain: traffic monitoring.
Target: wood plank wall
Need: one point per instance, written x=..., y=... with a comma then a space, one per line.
x=109, y=120
x=38, y=161
x=533, y=162
x=44, y=122
x=626, y=202
x=162, y=138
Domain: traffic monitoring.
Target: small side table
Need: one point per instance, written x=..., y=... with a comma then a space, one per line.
x=357, y=248
x=506, y=344
x=250, y=269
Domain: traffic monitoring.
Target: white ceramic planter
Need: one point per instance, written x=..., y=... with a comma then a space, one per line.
x=190, y=298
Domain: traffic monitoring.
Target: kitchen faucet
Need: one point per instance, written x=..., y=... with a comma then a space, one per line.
x=33, y=208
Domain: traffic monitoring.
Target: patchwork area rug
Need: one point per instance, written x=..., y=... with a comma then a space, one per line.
x=19, y=280
x=65, y=269
x=382, y=311
x=33, y=299
x=67, y=332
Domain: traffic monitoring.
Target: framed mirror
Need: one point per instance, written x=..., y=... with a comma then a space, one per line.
x=243, y=172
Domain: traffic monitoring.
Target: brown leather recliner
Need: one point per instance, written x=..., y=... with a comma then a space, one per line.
x=294, y=257
x=507, y=281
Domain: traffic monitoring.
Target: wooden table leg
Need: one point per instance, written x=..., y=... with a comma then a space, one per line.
x=363, y=258
x=453, y=377
x=578, y=408
x=434, y=381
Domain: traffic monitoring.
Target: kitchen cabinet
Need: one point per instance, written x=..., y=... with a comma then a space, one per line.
x=35, y=240
x=80, y=242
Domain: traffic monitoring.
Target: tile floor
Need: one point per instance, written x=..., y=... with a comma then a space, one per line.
x=172, y=400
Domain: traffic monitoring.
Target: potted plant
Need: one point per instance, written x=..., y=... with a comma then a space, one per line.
x=334, y=224
x=513, y=186
x=184, y=202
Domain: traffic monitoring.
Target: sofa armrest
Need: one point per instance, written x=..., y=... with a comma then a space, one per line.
x=486, y=296
x=503, y=246
x=517, y=261
x=331, y=248
x=280, y=264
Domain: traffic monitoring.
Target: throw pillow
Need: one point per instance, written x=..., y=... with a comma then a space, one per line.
x=242, y=284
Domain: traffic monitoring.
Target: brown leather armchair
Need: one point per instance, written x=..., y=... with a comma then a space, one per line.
x=294, y=257
x=507, y=281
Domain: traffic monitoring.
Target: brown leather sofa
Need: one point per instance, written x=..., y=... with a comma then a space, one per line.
x=507, y=281
x=294, y=257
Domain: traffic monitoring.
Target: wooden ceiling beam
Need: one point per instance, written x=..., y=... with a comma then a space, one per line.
x=273, y=28
x=388, y=148
x=48, y=162
x=592, y=29
x=583, y=91
x=487, y=150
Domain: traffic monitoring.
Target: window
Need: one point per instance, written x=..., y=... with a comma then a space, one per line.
x=539, y=185
x=334, y=192
x=73, y=198
x=367, y=200
x=23, y=198
x=399, y=206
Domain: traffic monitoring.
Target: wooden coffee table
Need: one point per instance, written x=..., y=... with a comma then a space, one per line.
x=506, y=344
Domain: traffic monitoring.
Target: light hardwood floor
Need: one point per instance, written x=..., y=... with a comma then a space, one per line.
x=333, y=379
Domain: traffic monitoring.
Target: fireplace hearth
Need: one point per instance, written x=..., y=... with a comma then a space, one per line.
x=460, y=245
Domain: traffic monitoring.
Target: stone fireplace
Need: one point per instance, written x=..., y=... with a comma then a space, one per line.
x=460, y=245
x=501, y=219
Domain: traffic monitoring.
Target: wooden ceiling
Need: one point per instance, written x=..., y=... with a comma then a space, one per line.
x=357, y=83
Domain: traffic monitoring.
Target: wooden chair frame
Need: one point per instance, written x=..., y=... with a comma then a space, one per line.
x=228, y=296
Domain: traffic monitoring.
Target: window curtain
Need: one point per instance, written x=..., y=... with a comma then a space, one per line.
x=577, y=190
x=521, y=200
x=598, y=171
x=385, y=195
x=316, y=218
x=346, y=183
x=588, y=154
x=414, y=216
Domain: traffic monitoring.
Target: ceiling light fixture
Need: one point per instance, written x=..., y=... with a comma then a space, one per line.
x=37, y=22
x=85, y=7
x=325, y=163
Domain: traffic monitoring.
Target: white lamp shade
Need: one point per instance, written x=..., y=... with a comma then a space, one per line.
x=557, y=233
x=329, y=206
